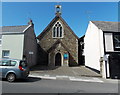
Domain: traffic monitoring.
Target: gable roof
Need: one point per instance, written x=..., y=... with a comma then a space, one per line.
x=57, y=17
x=13, y=29
x=55, y=44
x=107, y=26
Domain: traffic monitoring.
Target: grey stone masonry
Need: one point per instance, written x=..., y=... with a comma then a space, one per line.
x=69, y=42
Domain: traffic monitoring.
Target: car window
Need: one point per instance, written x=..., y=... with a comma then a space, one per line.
x=13, y=63
x=23, y=64
x=5, y=62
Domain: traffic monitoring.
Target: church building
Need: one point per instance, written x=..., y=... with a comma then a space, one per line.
x=58, y=44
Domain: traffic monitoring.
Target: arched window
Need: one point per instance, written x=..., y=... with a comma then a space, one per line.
x=57, y=30
x=54, y=32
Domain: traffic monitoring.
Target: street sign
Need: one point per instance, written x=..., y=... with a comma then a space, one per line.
x=31, y=52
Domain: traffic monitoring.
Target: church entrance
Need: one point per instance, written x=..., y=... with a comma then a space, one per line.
x=58, y=59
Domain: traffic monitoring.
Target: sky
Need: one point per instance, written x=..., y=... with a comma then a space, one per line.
x=76, y=14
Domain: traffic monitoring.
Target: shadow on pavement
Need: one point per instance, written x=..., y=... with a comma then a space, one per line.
x=38, y=67
x=29, y=79
x=64, y=70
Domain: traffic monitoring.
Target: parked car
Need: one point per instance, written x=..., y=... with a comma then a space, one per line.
x=12, y=69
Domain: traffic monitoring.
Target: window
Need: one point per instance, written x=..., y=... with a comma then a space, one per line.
x=13, y=63
x=5, y=63
x=5, y=53
x=116, y=39
x=23, y=64
x=57, y=30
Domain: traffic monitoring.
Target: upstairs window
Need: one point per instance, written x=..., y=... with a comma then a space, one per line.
x=57, y=30
x=5, y=53
x=116, y=39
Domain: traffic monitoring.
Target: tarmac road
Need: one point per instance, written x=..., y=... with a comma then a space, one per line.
x=38, y=85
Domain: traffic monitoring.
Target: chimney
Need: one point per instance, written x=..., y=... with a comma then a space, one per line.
x=30, y=22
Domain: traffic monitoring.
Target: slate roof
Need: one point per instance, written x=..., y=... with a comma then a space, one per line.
x=13, y=29
x=108, y=26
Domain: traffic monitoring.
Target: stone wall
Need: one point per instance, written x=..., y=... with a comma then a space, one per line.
x=59, y=49
x=69, y=40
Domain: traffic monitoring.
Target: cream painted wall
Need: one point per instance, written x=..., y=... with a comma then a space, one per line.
x=14, y=43
x=93, y=46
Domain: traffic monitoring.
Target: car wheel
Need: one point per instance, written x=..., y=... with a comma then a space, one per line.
x=11, y=77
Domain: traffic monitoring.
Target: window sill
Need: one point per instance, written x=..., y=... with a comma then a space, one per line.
x=5, y=56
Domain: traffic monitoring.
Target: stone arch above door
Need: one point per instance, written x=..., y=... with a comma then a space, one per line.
x=60, y=49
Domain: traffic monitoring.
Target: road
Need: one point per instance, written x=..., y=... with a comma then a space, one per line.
x=38, y=85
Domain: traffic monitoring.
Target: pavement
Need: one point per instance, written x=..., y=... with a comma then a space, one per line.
x=79, y=73
x=64, y=71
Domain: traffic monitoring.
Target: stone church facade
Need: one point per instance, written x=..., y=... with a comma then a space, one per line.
x=58, y=44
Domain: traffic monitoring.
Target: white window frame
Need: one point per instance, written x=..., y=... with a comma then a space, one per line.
x=56, y=31
x=3, y=53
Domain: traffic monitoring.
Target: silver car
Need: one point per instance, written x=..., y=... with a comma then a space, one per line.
x=12, y=69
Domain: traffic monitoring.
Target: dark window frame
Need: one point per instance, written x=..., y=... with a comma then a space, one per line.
x=115, y=49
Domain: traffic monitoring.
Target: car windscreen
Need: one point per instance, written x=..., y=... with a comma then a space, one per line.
x=23, y=63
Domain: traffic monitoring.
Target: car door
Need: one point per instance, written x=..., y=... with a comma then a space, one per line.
x=5, y=67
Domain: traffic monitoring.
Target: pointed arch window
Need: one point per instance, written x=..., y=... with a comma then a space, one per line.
x=57, y=30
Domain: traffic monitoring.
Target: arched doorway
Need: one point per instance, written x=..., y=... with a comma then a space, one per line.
x=58, y=59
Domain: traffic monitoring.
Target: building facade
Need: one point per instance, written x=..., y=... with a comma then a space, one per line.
x=102, y=48
x=58, y=45
x=19, y=42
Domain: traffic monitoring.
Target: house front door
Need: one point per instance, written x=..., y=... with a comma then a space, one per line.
x=114, y=60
